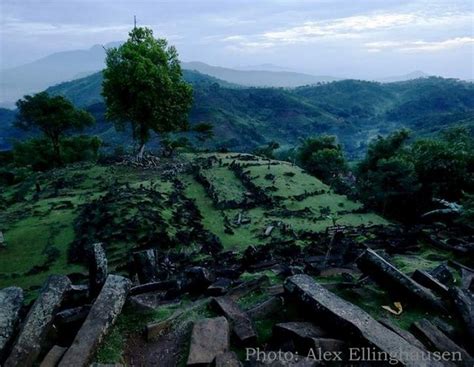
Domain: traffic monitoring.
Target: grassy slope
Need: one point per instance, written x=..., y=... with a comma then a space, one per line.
x=35, y=228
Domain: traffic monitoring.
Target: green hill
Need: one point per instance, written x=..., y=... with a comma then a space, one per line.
x=228, y=200
x=355, y=111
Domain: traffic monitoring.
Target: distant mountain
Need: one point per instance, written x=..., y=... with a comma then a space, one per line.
x=258, y=78
x=356, y=111
x=40, y=74
x=403, y=78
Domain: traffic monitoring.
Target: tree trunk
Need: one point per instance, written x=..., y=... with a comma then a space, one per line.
x=141, y=151
x=57, y=153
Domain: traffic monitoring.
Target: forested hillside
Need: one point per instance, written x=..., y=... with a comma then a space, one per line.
x=245, y=118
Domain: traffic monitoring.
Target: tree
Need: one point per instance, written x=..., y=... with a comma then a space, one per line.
x=143, y=85
x=322, y=157
x=53, y=116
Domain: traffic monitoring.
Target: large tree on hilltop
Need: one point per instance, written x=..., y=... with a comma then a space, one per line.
x=143, y=85
x=53, y=116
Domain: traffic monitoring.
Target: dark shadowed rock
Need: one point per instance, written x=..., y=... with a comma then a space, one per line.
x=443, y=274
x=198, y=279
x=38, y=322
x=53, y=357
x=154, y=287
x=97, y=268
x=146, y=265
x=219, y=287
x=247, y=287
x=209, y=338
x=349, y=320
x=266, y=308
x=464, y=305
x=228, y=359
x=240, y=322
x=437, y=340
x=403, y=333
x=427, y=280
x=467, y=279
x=11, y=301
x=102, y=315
x=297, y=336
x=389, y=276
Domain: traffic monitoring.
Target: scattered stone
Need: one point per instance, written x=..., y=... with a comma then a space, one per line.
x=409, y=337
x=219, y=287
x=38, y=322
x=350, y=320
x=154, y=287
x=437, y=340
x=464, y=305
x=269, y=230
x=148, y=301
x=97, y=268
x=389, y=276
x=199, y=279
x=247, y=287
x=11, y=301
x=467, y=279
x=228, y=359
x=266, y=308
x=146, y=265
x=297, y=336
x=276, y=290
x=427, y=280
x=209, y=338
x=443, y=274
x=102, y=315
x=53, y=357
x=240, y=322
x=72, y=315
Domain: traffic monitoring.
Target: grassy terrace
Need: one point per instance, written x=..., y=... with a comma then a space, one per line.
x=40, y=230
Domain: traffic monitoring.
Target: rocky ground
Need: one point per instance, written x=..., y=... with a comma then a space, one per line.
x=171, y=287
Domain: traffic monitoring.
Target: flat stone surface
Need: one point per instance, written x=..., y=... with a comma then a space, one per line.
x=228, y=359
x=351, y=321
x=240, y=322
x=266, y=308
x=409, y=337
x=11, y=300
x=38, y=322
x=437, y=340
x=102, y=315
x=53, y=357
x=209, y=338
x=389, y=276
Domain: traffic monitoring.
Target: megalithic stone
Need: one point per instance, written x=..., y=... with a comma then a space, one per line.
x=389, y=276
x=102, y=316
x=38, y=322
x=351, y=321
x=11, y=300
x=97, y=268
x=146, y=265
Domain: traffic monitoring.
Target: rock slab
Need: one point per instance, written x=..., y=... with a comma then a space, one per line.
x=102, y=315
x=351, y=320
x=209, y=338
x=97, y=268
x=11, y=300
x=240, y=322
x=38, y=322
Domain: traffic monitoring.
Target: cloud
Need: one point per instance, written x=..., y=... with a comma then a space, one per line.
x=420, y=46
x=356, y=27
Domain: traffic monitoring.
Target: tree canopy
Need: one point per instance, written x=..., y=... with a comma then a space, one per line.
x=144, y=86
x=53, y=116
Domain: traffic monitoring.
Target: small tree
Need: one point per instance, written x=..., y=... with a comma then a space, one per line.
x=322, y=157
x=143, y=85
x=53, y=116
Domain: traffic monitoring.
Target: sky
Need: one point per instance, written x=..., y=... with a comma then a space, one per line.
x=343, y=38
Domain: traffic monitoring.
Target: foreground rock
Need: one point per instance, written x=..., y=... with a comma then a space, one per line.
x=209, y=338
x=53, y=357
x=297, y=336
x=437, y=340
x=464, y=304
x=11, y=300
x=102, y=315
x=38, y=322
x=351, y=321
x=228, y=359
x=389, y=276
x=97, y=268
x=241, y=323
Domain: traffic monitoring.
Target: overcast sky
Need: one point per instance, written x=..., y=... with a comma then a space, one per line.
x=351, y=38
